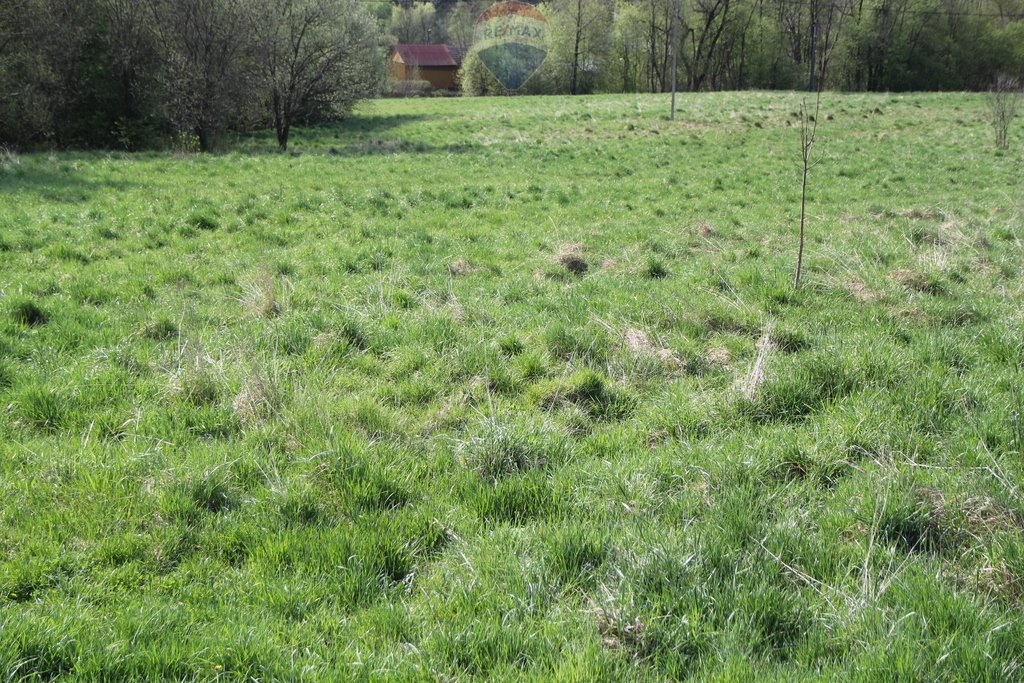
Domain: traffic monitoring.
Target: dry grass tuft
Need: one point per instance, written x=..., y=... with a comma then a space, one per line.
x=910, y=278
x=570, y=257
x=257, y=400
x=8, y=157
x=618, y=633
x=637, y=341
x=718, y=357
x=960, y=519
x=261, y=296
x=983, y=514
x=461, y=267
x=197, y=378
x=757, y=375
x=951, y=226
x=921, y=214
x=640, y=344
x=862, y=293
x=912, y=313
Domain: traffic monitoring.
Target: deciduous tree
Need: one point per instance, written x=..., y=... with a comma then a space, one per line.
x=315, y=59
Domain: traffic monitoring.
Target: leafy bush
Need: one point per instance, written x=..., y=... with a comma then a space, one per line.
x=410, y=88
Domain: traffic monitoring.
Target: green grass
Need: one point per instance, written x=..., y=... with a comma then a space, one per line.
x=466, y=389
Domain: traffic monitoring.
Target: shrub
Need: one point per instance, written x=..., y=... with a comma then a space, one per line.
x=411, y=88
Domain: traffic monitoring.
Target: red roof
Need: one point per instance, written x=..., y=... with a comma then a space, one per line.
x=427, y=55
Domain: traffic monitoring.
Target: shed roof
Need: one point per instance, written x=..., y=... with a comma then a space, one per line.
x=429, y=54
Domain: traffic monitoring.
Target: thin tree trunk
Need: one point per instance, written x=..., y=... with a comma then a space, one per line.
x=803, y=214
x=814, y=37
x=281, y=123
x=575, y=63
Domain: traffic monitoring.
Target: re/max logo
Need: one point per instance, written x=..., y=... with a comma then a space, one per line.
x=513, y=31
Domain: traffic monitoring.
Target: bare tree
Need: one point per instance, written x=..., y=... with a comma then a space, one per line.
x=826, y=25
x=316, y=58
x=15, y=20
x=587, y=28
x=460, y=23
x=11, y=24
x=129, y=42
x=205, y=67
x=659, y=23
x=808, y=132
x=711, y=18
x=1004, y=103
x=415, y=22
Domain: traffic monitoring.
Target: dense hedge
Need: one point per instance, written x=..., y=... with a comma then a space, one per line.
x=139, y=73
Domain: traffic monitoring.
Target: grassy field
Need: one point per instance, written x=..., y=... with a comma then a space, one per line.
x=520, y=389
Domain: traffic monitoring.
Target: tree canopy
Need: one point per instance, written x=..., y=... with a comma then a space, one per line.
x=130, y=73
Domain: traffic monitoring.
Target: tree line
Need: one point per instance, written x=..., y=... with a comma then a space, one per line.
x=141, y=73
x=138, y=73
x=856, y=45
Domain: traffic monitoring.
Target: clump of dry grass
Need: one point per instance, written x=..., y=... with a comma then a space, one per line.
x=621, y=633
x=908, y=278
x=637, y=341
x=985, y=514
x=260, y=295
x=758, y=372
x=718, y=357
x=8, y=157
x=921, y=214
x=462, y=267
x=640, y=344
x=974, y=516
x=916, y=280
x=862, y=293
x=570, y=257
x=257, y=400
x=196, y=379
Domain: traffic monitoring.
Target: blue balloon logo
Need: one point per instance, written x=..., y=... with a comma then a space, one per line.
x=512, y=42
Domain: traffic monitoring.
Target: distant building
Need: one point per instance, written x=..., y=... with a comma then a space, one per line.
x=436, y=64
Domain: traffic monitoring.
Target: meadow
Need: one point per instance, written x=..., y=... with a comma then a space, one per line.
x=520, y=389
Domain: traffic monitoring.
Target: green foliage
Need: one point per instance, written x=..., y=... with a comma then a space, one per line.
x=476, y=79
x=129, y=75
x=627, y=47
x=409, y=88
